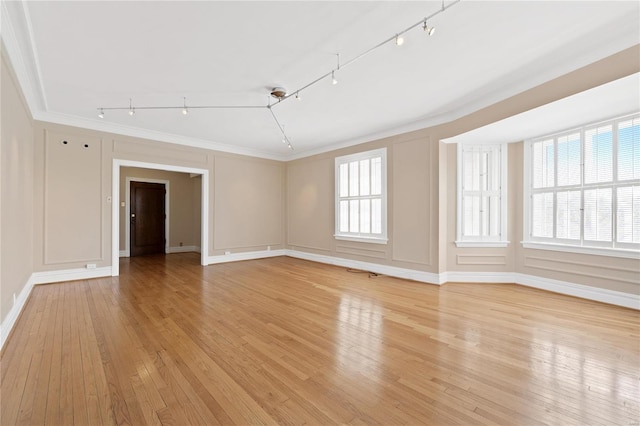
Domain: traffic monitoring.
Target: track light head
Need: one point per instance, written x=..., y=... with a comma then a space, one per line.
x=399, y=40
x=185, y=111
x=298, y=97
x=427, y=29
x=132, y=111
x=101, y=113
x=334, y=81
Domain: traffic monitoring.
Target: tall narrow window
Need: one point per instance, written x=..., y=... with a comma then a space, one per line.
x=361, y=207
x=584, y=188
x=481, y=195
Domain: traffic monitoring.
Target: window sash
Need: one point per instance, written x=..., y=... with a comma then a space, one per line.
x=481, y=194
x=603, y=148
x=360, y=196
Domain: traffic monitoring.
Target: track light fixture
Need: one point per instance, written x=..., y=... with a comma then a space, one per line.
x=427, y=29
x=185, y=111
x=281, y=94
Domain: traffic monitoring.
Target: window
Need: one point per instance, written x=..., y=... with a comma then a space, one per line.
x=361, y=196
x=583, y=188
x=482, y=200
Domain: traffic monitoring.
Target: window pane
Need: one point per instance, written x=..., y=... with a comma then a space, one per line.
x=543, y=164
x=542, y=220
x=471, y=224
x=353, y=179
x=376, y=176
x=629, y=149
x=598, y=155
x=365, y=216
x=597, y=214
x=493, y=216
x=354, y=216
x=568, y=215
x=470, y=169
x=376, y=216
x=493, y=170
x=344, y=180
x=344, y=216
x=364, y=177
x=628, y=214
x=569, y=160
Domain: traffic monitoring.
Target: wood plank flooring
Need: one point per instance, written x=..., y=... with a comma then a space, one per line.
x=286, y=341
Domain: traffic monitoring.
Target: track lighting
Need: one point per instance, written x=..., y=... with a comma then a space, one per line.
x=427, y=29
x=281, y=94
x=185, y=111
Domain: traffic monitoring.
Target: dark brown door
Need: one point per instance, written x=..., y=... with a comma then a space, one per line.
x=147, y=218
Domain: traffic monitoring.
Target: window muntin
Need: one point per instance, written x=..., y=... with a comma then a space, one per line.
x=361, y=197
x=481, y=195
x=584, y=186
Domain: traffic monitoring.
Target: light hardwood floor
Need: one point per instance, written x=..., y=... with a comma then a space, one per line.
x=287, y=341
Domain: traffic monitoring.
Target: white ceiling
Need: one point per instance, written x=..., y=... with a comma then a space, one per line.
x=78, y=56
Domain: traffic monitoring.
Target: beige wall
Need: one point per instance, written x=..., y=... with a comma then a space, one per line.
x=240, y=219
x=184, y=201
x=422, y=198
x=16, y=210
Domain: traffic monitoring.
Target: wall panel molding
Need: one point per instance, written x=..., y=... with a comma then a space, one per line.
x=577, y=271
x=481, y=259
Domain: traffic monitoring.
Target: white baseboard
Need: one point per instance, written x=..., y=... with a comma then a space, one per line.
x=477, y=277
x=562, y=287
x=47, y=277
x=124, y=253
x=10, y=320
x=183, y=249
x=249, y=255
x=612, y=297
x=393, y=271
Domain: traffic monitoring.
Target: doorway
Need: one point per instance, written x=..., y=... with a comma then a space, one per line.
x=147, y=218
x=115, y=201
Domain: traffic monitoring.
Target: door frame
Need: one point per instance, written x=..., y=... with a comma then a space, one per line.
x=115, y=207
x=127, y=211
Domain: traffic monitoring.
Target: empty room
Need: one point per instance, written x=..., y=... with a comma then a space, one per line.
x=320, y=212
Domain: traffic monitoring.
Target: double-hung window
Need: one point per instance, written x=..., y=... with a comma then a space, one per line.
x=361, y=196
x=482, y=186
x=583, y=189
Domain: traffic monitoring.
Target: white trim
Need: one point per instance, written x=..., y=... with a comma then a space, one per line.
x=115, y=215
x=127, y=210
x=482, y=243
x=359, y=156
x=183, y=249
x=361, y=239
x=247, y=255
x=596, y=251
x=14, y=313
x=478, y=277
x=47, y=277
x=393, y=271
x=612, y=297
x=125, y=253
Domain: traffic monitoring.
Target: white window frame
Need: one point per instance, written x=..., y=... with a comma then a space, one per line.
x=613, y=248
x=357, y=236
x=498, y=151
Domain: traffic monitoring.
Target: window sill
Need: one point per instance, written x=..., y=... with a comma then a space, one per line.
x=598, y=251
x=482, y=243
x=361, y=239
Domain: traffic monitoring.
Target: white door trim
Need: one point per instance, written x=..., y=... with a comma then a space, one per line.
x=115, y=205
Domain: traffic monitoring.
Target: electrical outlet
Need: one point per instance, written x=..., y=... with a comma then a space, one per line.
x=91, y=266
x=268, y=248
x=14, y=298
x=181, y=244
x=227, y=252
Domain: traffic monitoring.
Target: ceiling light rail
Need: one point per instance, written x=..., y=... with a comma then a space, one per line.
x=280, y=93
